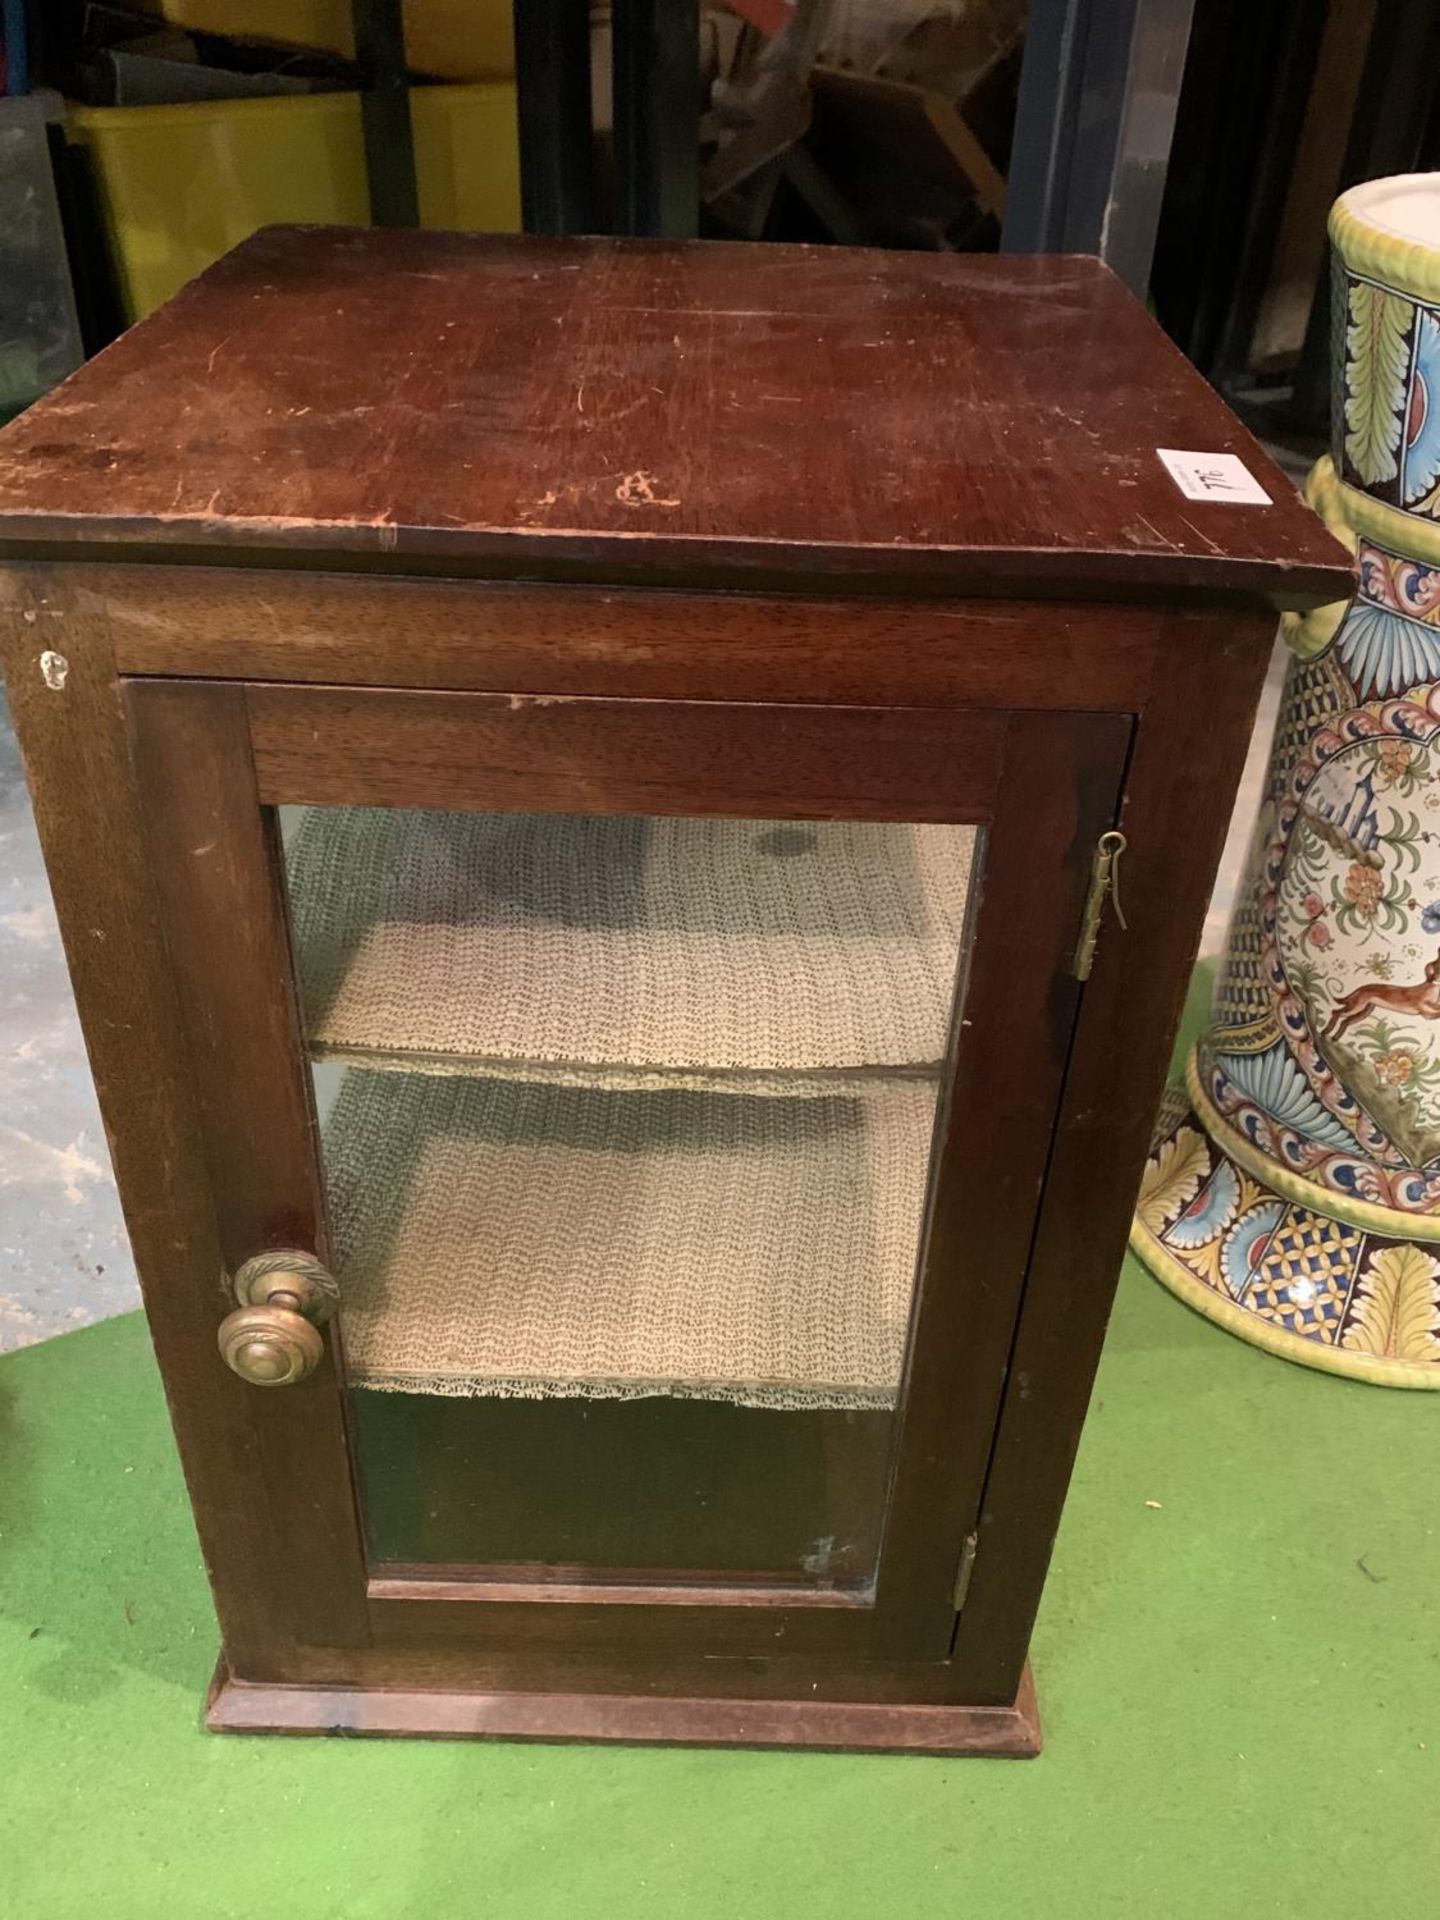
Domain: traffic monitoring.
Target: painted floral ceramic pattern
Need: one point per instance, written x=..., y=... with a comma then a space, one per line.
x=1293, y=1189
x=1387, y=429
x=1343, y=1086
x=1292, y=1277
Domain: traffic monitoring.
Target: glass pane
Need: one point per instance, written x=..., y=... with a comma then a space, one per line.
x=627, y=1127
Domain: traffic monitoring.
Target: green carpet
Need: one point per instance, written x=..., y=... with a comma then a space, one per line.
x=1240, y=1687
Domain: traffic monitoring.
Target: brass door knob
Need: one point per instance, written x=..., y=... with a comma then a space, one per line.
x=272, y=1339
x=269, y=1346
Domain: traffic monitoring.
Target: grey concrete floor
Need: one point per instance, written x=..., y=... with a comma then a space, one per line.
x=64, y=1258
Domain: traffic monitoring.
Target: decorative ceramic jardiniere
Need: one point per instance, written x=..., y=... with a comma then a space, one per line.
x=1293, y=1193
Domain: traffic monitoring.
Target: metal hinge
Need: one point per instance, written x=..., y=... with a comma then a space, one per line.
x=967, y=1567
x=1104, y=883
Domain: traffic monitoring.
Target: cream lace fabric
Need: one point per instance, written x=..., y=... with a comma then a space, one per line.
x=772, y=956
x=551, y=1171
x=510, y=1238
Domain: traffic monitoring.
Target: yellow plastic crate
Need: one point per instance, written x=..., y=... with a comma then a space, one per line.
x=452, y=39
x=181, y=185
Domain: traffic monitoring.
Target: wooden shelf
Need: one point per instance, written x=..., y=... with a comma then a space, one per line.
x=763, y=955
x=497, y=1237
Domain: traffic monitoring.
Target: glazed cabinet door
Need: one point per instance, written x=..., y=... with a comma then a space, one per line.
x=625, y=1123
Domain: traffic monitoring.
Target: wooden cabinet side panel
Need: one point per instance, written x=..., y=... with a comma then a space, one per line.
x=68, y=715
x=1058, y=793
x=1190, y=744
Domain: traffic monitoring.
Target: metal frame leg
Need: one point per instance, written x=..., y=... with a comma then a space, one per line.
x=1098, y=91
x=385, y=113
x=657, y=117
x=552, y=73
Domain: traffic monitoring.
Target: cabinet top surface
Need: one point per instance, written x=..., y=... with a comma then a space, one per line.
x=708, y=412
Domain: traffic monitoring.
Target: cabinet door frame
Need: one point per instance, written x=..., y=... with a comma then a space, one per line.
x=213, y=761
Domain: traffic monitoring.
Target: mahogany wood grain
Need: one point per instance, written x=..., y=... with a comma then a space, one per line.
x=485, y=636
x=708, y=412
x=215, y=865
x=238, y=1706
x=549, y=753
x=778, y=1671
x=457, y=1658
x=921, y=485
x=522, y=1623
x=403, y=1643
x=1175, y=814
x=73, y=738
x=223, y=896
x=221, y=887
x=1059, y=791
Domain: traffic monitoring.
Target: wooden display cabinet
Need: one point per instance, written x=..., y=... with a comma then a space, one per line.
x=582, y=782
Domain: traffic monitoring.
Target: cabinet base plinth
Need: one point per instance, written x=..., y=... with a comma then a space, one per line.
x=249, y=1706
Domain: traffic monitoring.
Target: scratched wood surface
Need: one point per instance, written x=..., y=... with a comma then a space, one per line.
x=622, y=410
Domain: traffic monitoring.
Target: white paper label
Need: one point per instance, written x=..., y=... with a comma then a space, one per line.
x=1214, y=476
